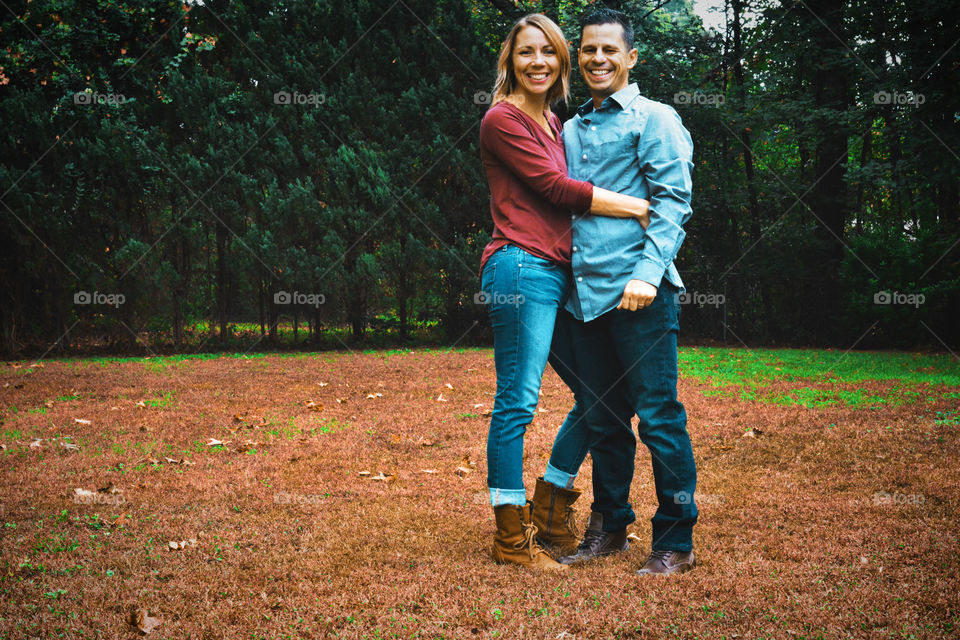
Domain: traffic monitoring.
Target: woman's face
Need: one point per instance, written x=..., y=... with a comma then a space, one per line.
x=535, y=63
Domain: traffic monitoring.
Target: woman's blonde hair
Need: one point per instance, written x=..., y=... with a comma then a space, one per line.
x=506, y=82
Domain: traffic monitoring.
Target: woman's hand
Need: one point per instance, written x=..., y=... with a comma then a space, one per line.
x=644, y=214
x=620, y=205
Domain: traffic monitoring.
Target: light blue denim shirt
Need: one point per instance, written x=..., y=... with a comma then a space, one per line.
x=639, y=147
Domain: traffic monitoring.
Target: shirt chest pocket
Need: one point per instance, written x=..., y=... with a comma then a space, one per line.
x=615, y=153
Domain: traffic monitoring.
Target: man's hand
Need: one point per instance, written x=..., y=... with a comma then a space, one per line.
x=637, y=295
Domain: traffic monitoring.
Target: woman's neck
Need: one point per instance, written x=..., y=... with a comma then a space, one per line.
x=533, y=106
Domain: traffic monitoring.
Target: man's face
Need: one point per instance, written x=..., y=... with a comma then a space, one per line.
x=605, y=62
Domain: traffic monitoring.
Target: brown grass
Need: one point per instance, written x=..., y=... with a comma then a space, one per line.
x=793, y=540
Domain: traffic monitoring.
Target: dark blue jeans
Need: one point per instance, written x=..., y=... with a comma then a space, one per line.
x=622, y=364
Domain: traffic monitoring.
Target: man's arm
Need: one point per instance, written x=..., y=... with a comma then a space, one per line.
x=665, y=151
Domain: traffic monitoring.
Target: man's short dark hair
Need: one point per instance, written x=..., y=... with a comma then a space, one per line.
x=609, y=16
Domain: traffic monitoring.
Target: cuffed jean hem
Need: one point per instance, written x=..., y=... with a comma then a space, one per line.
x=559, y=478
x=508, y=496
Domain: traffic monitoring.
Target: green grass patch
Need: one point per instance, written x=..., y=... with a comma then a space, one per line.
x=747, y=374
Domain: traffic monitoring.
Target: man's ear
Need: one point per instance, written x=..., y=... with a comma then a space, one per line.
x=632, y=58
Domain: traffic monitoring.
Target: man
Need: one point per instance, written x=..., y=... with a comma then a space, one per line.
x=623, y=329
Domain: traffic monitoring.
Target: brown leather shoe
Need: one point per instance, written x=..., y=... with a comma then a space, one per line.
x=597, y=542
x=667, y=562
x=553, y=517
x=515, y=543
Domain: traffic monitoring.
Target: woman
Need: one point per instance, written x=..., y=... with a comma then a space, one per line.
x=526, y=267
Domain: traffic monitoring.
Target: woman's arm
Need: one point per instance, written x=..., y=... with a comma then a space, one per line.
x=619, y=205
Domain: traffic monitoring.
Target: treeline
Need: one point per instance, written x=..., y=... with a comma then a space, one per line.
x=166, y=164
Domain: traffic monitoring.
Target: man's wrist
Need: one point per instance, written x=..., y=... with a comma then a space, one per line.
x=648, y=271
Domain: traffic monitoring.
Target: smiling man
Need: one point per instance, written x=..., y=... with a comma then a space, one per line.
x=618, y=342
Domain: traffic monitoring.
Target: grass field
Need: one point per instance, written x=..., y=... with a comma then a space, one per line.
x=343, y=495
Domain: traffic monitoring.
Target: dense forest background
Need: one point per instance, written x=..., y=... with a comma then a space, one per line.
x=257, y=174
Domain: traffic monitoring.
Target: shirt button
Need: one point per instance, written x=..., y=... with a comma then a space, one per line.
x=575, y=248
x=584, y=156
x=593, y=128
x=579, y=278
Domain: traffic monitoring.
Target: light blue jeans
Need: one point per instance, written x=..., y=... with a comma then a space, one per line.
x=524, y=293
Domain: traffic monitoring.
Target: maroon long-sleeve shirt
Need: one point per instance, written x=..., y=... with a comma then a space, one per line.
x=531, y=196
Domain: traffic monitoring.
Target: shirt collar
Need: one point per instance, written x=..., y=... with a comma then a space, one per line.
x=623, y=97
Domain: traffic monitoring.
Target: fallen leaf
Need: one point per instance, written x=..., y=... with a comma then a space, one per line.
x=141, y=404
x=478, y=405
x=468, y=462
x=382, y=477
x=364, y=473
x=427, y=443
x=110, y=488
x=634, y=537
x=48, y=404
x=214, y=442
x=81, y=421
x=69, y=446
x=440, y=398
x=36, y=443
x=248, y=445
x=462, y=471
x=449, y=386
x=341, y=400
x=428, y=471
x=142, y=621
x=323, y=384
x=313, y=406
x=182, y=544
x=374, y=395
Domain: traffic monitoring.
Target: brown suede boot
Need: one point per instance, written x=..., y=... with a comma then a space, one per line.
x=553, y=517
x=515, y=541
